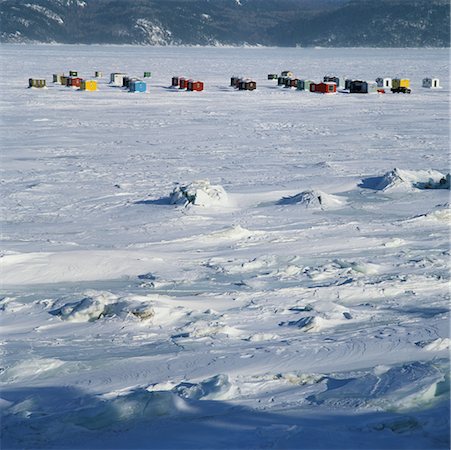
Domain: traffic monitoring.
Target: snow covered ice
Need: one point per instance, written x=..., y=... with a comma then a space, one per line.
x=224, y=269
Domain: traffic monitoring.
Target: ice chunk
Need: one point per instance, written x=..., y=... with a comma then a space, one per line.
x=199, y=193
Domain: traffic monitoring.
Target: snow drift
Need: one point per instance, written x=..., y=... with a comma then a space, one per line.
x=313, y=199
x=399, y=179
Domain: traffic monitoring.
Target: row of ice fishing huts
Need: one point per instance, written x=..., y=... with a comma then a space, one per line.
x=117, y=79
x=73, y=80
x=330, y=84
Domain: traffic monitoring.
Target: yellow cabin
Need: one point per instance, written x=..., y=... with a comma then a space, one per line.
x=88, y=85
x=398, y=83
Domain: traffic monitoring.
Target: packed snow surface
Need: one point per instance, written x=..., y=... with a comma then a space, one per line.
x=224, y=269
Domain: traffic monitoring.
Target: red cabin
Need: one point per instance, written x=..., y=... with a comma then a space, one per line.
x=324, y=88
x=183, y=83
x=195, y=86
x=74, y=82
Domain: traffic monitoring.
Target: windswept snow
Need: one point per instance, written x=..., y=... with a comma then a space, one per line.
x=291, y=291
x=313, y=199
x=409, y=179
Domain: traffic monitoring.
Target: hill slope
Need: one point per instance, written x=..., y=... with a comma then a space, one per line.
x=384, y=23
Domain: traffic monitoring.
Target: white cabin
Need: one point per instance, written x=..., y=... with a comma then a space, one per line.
x=431, y=83
x=117, y=79
x=385, y=83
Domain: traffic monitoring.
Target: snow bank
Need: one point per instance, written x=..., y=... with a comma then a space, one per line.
x=235, y=233
x=398, y=179
x=313, y=199
x=401, y=387
x=217, y=387
x=133, y=406
x=199, y=193
x=98, y=305
x=441, y=213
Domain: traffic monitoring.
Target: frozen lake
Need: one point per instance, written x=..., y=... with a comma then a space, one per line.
x=305, y=306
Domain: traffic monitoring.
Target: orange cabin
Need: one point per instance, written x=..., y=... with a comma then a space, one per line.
x=74, y=82
x=324, y=88
x=195, y=86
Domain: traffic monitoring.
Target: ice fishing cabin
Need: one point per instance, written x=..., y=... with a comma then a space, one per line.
x=384, y=83
x=400, y=83
x=57, y=78
x=281, y=80
x=307, y=84
x=175, y=81
x=247, y=85
x=37, y=83
x=300, y=85
x=74, y=82
x=331, y=79
x=137, y=86
x=291, y=82
x=117, y=79
x=234, y=81
x=196, y=86
x=273, y=76
x=88, y=85
x=324, y=88
x=183, y=83
x=362, y=87
x=431, y=83
x=147, y=74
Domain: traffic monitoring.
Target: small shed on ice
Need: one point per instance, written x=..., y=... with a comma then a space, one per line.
x=126, y=81
x=362, y=87
x=331, y=79
x=384, y=83
x=431, y=83
x=300, y=85
x=88, y=85
x=247, y=85
x=291, y=82
x=175, y=81
x=324, y=88
x=400, y=83
x=234, y=81
x=147, y=74
x=281, y=80
x=137, y=86
x=197, y=86
x=117, y=79
x=74, y=82
x=36, y=83
x=307, y=84
x=272, y=76
x=183, y=83
x=57, y=78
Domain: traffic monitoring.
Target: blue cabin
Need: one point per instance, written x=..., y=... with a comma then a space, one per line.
x=137, y=86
